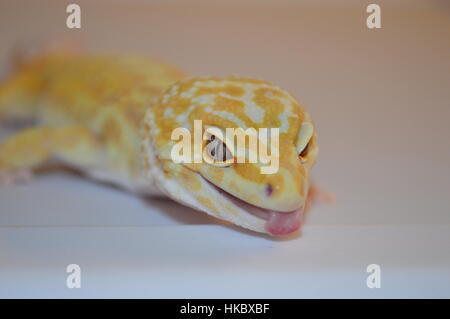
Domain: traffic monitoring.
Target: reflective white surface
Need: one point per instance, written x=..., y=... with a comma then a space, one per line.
x=380, y=99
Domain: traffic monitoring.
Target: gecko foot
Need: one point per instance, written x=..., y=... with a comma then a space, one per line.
x=317, y=194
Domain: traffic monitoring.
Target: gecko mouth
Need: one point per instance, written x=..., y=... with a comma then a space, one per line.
x=277, y=223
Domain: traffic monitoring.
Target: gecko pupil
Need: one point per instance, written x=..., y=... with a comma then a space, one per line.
x=217, y=149
x=224, y=153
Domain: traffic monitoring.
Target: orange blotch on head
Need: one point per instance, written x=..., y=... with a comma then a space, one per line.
x=208, y=203
x=210, y=119
x=166, y=127
x=177, y=103
x=216, y=174
x=268, y=103
x=227, y=104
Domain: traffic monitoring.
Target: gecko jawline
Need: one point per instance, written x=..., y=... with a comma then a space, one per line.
x=277, y=223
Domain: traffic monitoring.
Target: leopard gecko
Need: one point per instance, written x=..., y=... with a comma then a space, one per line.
x=112, y=118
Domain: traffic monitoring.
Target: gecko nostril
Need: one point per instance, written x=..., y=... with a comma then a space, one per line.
x=269, y=189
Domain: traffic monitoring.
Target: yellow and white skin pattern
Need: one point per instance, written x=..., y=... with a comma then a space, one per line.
x=112, y=118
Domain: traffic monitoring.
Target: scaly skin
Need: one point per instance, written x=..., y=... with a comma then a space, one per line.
x=112, y=118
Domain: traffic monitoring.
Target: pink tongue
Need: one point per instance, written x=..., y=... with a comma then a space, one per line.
x=280, y=223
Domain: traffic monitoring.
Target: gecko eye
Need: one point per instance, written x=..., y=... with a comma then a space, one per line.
x=304, y=140
x=304, y=153
x=217, y=153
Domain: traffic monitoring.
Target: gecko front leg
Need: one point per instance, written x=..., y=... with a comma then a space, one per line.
x=33, y=147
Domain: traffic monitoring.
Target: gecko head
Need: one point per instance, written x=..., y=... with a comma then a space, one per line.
x=189, y=150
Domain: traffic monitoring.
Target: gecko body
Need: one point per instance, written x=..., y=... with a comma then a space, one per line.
x=113, y=117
